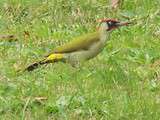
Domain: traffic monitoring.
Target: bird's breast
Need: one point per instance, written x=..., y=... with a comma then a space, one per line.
x=95, y=49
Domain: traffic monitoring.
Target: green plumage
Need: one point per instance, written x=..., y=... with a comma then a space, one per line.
x=79, y=43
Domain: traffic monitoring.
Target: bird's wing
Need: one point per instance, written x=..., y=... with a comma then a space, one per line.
x=80, y=43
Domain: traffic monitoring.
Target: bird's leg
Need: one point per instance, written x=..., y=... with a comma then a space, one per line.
x=75, y=64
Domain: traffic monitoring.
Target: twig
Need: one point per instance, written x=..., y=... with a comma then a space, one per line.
x=8, y=38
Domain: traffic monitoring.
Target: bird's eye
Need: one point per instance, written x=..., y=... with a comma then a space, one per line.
x=109, y=22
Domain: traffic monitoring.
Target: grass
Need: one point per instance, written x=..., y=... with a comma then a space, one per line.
x=121, y=83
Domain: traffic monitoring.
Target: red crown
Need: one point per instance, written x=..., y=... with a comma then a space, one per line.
x=107, y=20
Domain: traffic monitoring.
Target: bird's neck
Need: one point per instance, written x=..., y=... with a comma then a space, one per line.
x=104, y=34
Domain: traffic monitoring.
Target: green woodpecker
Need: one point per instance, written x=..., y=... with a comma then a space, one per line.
x=81, y=48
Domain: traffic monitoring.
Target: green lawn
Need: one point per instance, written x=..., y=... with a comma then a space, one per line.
x=121, y=83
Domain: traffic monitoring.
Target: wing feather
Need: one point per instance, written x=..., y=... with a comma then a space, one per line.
x=79, y=43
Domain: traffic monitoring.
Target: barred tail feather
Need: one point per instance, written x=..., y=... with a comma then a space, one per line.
x=50, y=59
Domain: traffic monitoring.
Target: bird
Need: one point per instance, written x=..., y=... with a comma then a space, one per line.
x=81, y=48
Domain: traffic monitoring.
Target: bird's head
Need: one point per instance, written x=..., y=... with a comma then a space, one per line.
x=110, y=24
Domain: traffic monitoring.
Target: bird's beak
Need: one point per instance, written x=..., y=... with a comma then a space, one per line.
x=122, y=23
